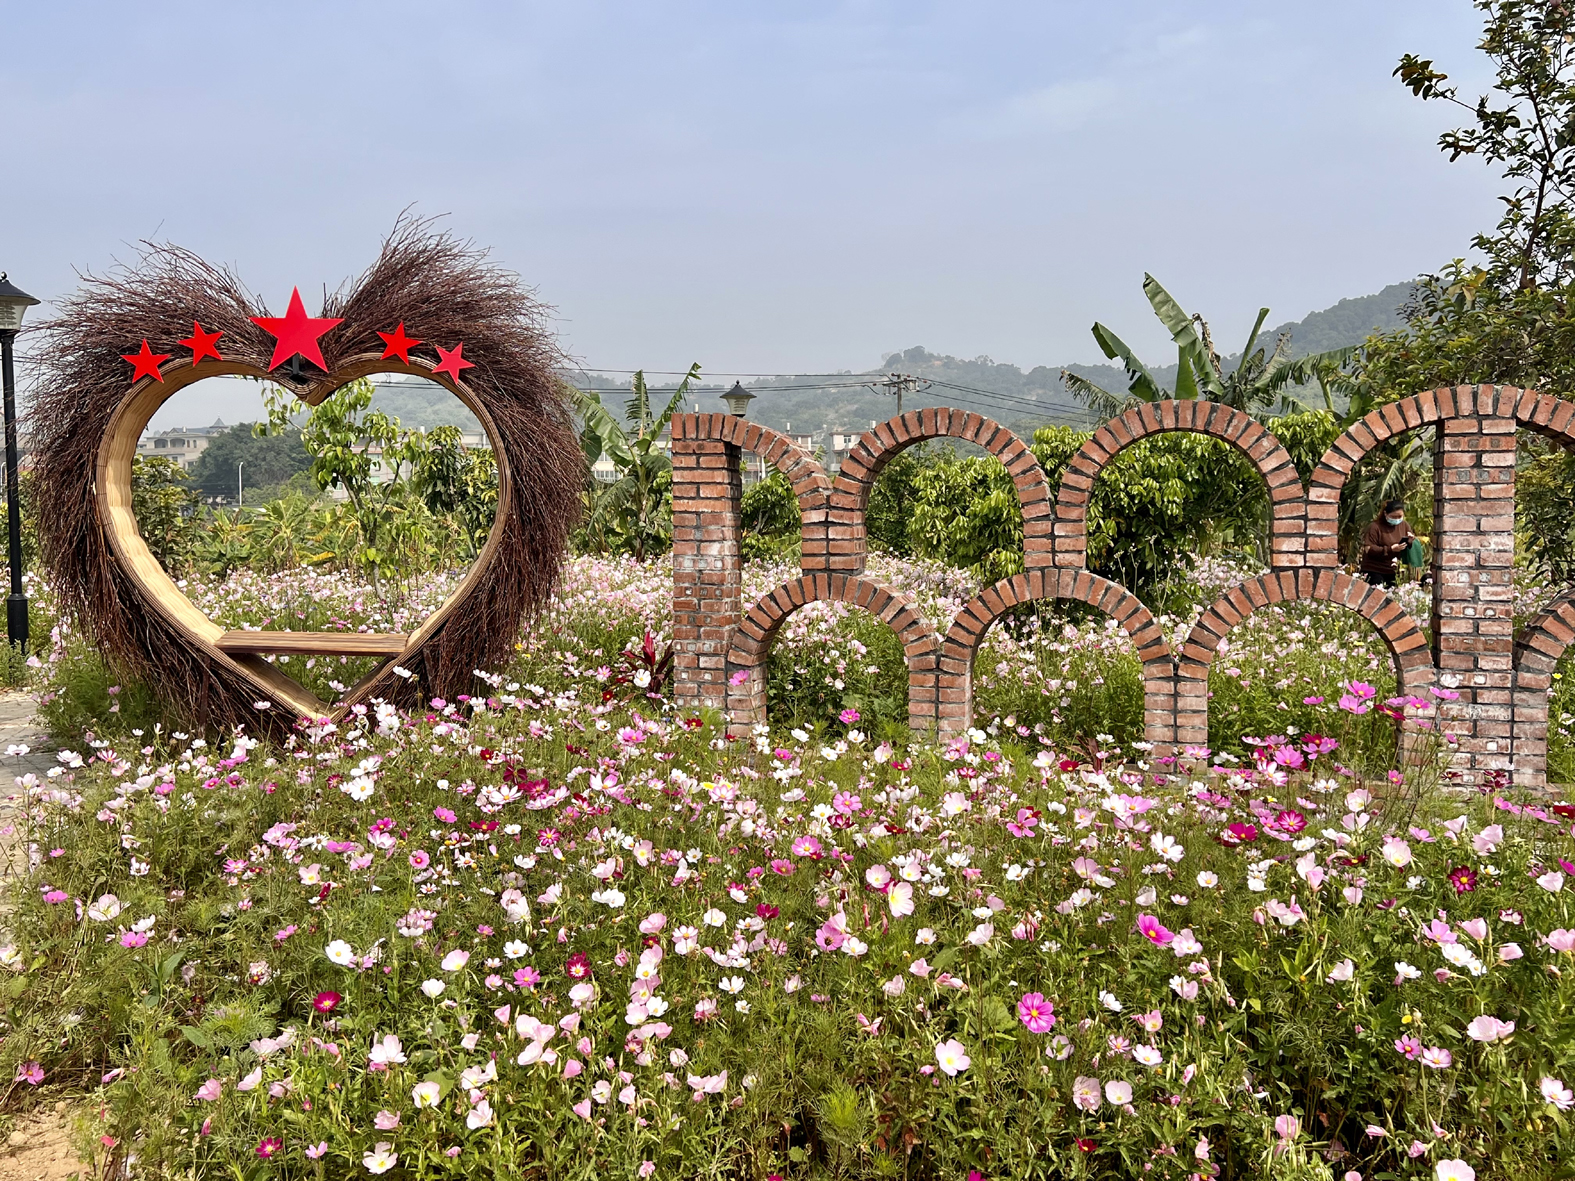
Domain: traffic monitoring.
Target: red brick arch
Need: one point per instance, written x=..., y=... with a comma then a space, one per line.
x=753, y=638
x=810, y=483
x=1289, y=506
x=1550, y=416
x=961, y=647
x=1538, y=648
x=1400, y=634
x=850, y=494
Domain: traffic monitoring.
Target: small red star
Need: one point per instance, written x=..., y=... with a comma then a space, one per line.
x=201, y=343
x=146, y=363
x=297, y=333
x=398, y=344
x=451, y=361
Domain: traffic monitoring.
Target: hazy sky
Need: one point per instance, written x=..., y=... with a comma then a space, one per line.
x=759, y=186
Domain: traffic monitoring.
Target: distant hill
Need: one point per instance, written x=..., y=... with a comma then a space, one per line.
x=850, y=401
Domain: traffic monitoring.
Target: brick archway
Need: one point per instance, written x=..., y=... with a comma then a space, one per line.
x=1543, y=413
x=752, y=640
x=810, y=483
x=1400, y=633
x=1263, y=450
x=1538, y=648
x=850, y=493
x=961, y=647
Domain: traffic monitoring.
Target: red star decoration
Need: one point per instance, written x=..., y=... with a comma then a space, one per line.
x=451, y=361
x=398, y=344
x=201, y=343
x=146, y=362
x=297, y=333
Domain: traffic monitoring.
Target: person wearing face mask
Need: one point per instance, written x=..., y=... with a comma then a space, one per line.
x=1385, y=540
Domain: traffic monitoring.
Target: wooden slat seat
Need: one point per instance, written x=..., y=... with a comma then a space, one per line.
x=315, y=643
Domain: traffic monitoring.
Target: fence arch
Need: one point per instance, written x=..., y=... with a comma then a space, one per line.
x=960, y=648
x=753, y=638
x=1262, y=449
x=1400, y=633
x=811, y=485
x=850, y=493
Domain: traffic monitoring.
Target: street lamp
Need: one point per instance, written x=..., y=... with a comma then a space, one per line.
x=14, y=303
x=738, y=400
x=240, y=488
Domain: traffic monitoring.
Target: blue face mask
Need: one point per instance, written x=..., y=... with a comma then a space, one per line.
x=1394, y=520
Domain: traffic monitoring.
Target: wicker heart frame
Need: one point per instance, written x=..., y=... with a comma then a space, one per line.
x=88, y=416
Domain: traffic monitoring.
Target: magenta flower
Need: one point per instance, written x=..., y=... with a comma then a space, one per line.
x=269, y=1145
x=1463, y=878
x=1154, y=931
x=30, y=1073
x=807, y=846
x=1290, y=821
x=526, y=978
x=1409, y=1047
x=1023, y=826
x=419, y=859
x=132, y=939
x=326, y=1002
x=1036, y=1013
x=848, y=716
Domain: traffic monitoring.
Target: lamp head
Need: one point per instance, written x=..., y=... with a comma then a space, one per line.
x=14, y=303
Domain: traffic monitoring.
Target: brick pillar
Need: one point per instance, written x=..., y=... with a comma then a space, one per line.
x=1473, y=576
x=708, y=491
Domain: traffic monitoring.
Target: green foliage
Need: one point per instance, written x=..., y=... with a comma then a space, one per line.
x=889, y=518
x=864, y=669
x=1545, y=510
x=460, y=485
x=1255, y=383
x=165, y=509
x=965, y=512
x=634, y=513
x=770, y=520
x=271, y=460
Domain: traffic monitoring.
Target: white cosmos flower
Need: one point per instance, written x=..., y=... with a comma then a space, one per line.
x=1208, y=880
x=515, y=949
x=105, y=909
x=455, y=960
x=340, y=953
x=433, y=988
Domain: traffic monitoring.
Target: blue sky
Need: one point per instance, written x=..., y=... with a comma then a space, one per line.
x=759, y=186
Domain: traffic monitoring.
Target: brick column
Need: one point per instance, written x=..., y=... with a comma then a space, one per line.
x=1473, y=581
x=708, y=491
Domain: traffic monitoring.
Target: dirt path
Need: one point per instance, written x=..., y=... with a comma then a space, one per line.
x=39, y=1148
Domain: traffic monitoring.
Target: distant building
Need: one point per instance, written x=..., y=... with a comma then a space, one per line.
x=182, y=444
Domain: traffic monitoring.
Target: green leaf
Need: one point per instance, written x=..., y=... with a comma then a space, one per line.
x=1142, y=381
x=196, y=1037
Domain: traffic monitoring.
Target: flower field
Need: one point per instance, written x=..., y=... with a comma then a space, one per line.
x=569, y=931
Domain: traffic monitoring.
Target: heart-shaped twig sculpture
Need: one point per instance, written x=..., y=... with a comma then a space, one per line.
x=90, y=410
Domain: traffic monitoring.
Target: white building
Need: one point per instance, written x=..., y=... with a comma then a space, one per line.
x=182, y=444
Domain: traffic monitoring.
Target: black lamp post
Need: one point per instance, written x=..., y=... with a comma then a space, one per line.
x=14, y=303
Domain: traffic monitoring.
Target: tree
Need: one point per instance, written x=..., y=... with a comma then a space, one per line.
x=270, y=459
x=633, y=514
x=1252, y=386
x=165, y=509
x=769, y=519
x=366, y=454
x=459, y=484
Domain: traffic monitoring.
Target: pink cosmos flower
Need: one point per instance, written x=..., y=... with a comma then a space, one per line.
x=420, y=859
x=807, y=846
x=268, y=1145
x=1086, y=1095
x=1287, y=1127
x=1556, y=1093
x=210, y=1090
x=1023, y=826
x=385, y=1120
x=1036, y=1013
x=1410, y=1047
x=446, y=815
x=848, y=716
x=1484, y=1028
x=1561, y=939
x=952, y=1057
x=132, y=939
x=1154, y=931
x=1437, y=1057
x=30, y=1073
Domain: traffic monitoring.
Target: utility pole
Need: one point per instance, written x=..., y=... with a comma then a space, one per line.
x=900, y=384
x=240, y=488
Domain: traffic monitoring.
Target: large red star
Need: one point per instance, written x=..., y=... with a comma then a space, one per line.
x=146, y=362
x=451, y=361
x=398, y=344
x=297, y=333
x=201, y=343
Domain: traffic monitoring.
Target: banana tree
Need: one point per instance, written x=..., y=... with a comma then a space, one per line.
x=632, y=514
x=1259, y=378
